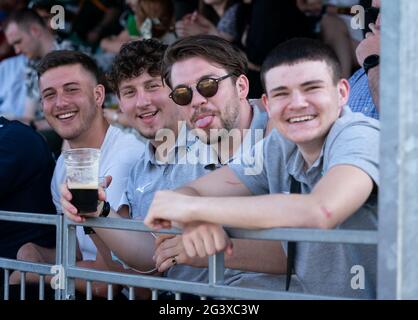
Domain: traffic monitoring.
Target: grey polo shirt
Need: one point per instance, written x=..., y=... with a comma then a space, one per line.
x=327, y=269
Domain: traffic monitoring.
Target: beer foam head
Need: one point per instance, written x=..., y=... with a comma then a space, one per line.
x=78, y=185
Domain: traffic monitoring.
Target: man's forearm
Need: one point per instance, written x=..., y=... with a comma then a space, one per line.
x=252, y=255
x=135, y=248
x=257, y=256
x=256, y=212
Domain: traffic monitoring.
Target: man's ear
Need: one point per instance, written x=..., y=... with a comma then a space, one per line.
x=343, y=92
x=265, y=101
x=243, y=86
x=99, y=95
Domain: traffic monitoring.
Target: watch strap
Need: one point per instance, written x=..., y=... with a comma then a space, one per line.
x=371, y=62
x=105, y=210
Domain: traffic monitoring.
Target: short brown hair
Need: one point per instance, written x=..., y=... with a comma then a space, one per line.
x=58, y=58
x=134, y=59
x=299, y=50
x=211, y=48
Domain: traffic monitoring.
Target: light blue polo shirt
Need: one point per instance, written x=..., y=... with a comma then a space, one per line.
x=149, y=175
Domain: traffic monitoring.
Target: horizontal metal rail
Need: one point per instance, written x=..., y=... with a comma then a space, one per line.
x=36, y=218
x=25, y=266
x=303, y=235
x=196, y=288
x=212, y=289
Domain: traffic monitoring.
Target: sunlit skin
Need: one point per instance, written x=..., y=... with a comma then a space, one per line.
x=221, y=111
x=304, y=102
x=145, y=100
x=72, y=103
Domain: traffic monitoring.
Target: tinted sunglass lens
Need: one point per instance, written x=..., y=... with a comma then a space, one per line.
x=207, y=87
x=182, y=96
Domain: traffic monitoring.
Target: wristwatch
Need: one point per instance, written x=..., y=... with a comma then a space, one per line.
x=103, y=214
x=105, y=210
x=371, y=62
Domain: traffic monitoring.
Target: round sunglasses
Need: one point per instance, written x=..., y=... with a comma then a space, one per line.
x=207, y=87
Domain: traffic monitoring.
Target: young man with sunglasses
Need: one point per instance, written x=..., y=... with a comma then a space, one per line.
x=364, y=96
x=317, y=152
x=208, y=79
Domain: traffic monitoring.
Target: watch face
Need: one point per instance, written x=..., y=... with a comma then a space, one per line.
x=372, y=59
x=371, y=62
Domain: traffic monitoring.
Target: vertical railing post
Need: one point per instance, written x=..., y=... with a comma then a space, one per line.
x=398, y=215
x=59, y=293
x=216, y=269
x=69, y=257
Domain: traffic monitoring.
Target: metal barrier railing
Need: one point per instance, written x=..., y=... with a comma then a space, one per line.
x=214, y=287
x=24, y=267
x=66, y=256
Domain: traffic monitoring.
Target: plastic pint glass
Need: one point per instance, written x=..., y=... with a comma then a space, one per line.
x=82, y=167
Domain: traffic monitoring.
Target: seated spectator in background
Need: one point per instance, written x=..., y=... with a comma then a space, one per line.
x=336, y=31
x=221, y=18
x=155, y=19
x=72, y=96
x=150, y=19
x=113, y=43
x=343, y=9
x=27, y=32
x=271, y=22
x=96, y=20
x=364, y=96
x=6, y=7
x=331, y=20
x=26, y=167
x=318, y=150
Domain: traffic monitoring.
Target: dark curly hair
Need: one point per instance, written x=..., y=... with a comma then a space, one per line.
x=135, y=58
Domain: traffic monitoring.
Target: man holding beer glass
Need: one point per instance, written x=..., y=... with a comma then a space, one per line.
x=72, y=96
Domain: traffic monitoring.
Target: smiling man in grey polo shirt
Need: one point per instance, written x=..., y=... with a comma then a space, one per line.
x=320, y=145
